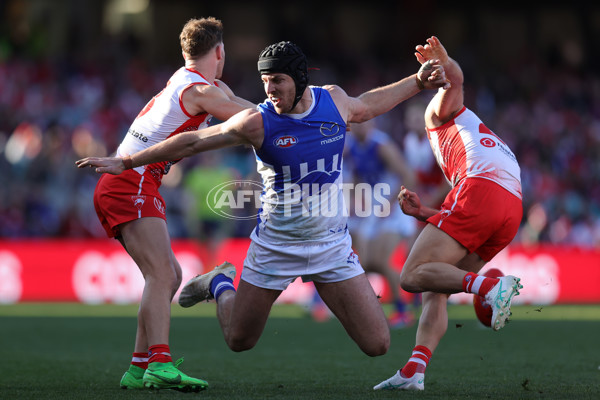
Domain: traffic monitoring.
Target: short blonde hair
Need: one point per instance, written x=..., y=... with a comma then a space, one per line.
x=198, y=36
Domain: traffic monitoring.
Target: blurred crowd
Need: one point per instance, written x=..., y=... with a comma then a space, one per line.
x=52, y=114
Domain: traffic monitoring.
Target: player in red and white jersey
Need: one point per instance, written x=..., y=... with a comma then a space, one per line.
x=165, y=115
x=132, y=210
x=479, y=217
x=465, y=148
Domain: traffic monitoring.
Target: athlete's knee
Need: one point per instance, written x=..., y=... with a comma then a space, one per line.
x=239, y=339
x=377, y=346
x=171, y=280
x=240, y=343
x=409, y=280
x=176, y=275
x=172, y=276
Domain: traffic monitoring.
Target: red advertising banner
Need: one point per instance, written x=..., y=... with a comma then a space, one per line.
x=100, y=271
x=550, y=275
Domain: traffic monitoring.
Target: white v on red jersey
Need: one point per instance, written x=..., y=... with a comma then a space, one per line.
x=464, y=148
x=164, y=116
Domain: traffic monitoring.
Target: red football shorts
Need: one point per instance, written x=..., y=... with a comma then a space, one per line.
x=481, y=215
x=125, y=197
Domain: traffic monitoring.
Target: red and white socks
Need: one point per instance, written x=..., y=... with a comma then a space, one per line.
x=417, y=362
x=140, y=360
x=478, y=284
x=159, y=353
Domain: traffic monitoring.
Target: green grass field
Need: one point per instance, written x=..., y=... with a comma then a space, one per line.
x=71, y=351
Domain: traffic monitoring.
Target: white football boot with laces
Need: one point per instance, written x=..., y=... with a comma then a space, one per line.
x=500, y=297
x=398, y=382
x=198, y=288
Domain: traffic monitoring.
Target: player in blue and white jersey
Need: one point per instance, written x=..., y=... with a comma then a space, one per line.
x=298, y=136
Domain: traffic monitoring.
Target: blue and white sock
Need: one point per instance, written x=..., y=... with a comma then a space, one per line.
x=220, y=284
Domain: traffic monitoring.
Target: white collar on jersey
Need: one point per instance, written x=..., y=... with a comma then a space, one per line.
x=305, y=113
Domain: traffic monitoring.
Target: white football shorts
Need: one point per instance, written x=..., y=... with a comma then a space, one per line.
x=275, y=266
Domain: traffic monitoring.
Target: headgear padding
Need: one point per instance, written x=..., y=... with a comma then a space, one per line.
x=285, y=58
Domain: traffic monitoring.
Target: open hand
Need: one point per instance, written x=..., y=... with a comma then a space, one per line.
x=111, y=165
x=433, y=50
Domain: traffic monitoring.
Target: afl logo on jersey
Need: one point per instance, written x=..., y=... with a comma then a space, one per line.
x=487, y=142
x=329, y=129
x=285, y=141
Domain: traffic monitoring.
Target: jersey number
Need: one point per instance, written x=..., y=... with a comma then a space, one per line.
x=148, y=106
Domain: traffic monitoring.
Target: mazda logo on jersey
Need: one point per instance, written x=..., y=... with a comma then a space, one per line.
x=329, y=129
x=285, y=141
x=487, y=142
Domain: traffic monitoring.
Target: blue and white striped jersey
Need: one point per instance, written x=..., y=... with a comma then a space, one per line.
x=300, y=163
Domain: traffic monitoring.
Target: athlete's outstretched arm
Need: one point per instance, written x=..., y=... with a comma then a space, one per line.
x=243, y=128
x=446, y=103
x=382, y=99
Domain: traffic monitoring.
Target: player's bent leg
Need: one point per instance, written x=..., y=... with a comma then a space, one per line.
x=243, y=314
x=356, y=306
x=430, y=265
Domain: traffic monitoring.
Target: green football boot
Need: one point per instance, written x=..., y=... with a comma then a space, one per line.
x=167, y=376
x=133, y=378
